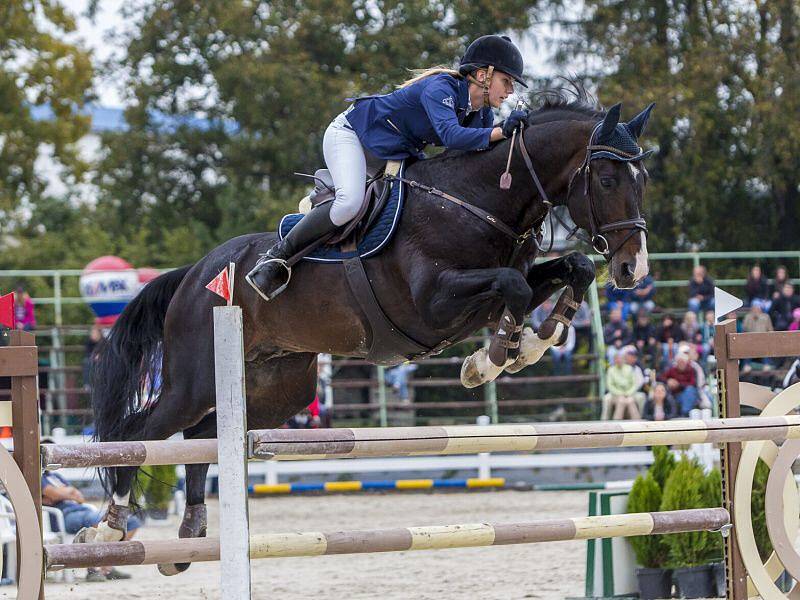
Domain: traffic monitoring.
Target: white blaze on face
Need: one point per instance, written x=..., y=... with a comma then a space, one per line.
x=642, y=267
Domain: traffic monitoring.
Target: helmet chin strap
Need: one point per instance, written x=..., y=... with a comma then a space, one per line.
x=485, y=84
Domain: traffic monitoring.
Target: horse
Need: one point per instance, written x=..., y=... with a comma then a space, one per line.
x=446, y=273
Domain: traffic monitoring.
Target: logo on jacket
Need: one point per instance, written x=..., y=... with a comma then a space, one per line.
x=449, y=102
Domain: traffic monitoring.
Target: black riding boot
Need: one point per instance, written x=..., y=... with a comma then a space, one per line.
x=270, y=276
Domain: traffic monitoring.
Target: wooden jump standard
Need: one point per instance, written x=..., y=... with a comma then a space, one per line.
x=272, y=545
x=309, y=444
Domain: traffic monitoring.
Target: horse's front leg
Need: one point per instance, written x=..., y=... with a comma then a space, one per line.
x=576, y=272
x=459, y=292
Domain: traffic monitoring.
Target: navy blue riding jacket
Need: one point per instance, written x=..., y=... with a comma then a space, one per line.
x=435, y=110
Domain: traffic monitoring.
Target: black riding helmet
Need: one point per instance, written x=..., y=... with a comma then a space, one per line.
x=496, y=51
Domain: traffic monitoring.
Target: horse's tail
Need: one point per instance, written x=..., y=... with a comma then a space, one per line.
x=126, y=366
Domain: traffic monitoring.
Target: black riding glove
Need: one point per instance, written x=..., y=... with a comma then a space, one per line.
x=513, y=122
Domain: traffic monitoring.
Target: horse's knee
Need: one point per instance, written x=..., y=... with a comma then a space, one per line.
x=515, y=289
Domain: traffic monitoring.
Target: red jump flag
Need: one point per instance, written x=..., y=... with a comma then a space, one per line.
x=222, y=284
x=7, y=310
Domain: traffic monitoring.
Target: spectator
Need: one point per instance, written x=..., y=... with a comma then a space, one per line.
x=781, y=278
x=681, y=380
x=621, y=382
x=669, y=335
x=615, y=333
x=707, y=334
x=783, y=306
x=644, y=337
x=757, y=286
x=398, y=377
x=756, y=320
x=562, y=355
x=795, y=324
x=582, y=322
x=24, y=316
x=693, y=354
x=642, y=295
x=701, y=290
x=660, y=406
x=618, y=298
x=632, y=358
x=689, y=326
x=58, y=493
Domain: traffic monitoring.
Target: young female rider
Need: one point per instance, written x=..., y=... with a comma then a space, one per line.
x=441, y=107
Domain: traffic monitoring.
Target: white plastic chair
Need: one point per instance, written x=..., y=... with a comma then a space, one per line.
x=8, y=536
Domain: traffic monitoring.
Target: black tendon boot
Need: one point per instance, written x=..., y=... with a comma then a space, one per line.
x=270, y=276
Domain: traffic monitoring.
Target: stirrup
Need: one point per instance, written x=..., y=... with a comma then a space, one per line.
x=259, y=265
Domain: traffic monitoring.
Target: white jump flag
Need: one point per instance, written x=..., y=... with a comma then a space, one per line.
x=724, y=303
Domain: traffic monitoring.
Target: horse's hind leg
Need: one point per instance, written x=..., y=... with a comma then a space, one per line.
x=195, y=515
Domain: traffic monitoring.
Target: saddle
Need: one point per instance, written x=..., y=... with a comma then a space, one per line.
x=375, y=197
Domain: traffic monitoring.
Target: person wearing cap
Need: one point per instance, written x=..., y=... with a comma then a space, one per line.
x=439, y=106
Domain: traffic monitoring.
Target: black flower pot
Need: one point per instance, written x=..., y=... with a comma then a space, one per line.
x=718, y=574
x=695, y=582
x=654, y=584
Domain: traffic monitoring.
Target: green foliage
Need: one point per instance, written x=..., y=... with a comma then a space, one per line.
x=158, y=484
x=645, y=496
x=758, y=500
x=38, y=69
x=663, y=464
x=687, y=488
x=725, y=76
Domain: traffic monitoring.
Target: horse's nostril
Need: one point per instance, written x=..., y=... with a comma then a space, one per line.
x=627, y=269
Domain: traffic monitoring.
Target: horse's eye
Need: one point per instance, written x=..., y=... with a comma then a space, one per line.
x=607, y=182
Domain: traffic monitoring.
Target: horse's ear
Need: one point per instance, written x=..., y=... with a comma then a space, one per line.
x=609, y=123
x=637, y=123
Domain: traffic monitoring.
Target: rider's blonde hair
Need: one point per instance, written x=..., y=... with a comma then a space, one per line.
x=423, y=73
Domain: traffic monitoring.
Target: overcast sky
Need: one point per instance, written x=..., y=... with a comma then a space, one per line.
x=93, y=35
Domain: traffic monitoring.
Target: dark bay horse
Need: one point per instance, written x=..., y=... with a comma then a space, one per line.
x=445, y=274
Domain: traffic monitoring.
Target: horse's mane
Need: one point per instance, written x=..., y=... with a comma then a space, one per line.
x=570, y=102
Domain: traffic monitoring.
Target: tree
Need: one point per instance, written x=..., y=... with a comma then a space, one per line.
x=266, y=78
x=40, y=73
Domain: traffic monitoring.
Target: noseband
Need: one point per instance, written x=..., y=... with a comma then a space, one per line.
x=597, y=230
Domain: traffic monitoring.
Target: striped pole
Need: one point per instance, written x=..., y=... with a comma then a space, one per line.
x=287, y=444
x=273, y=545
x=307, y=444
x=264, y=489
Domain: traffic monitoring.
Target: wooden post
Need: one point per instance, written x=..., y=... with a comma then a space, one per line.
x=729, y=406
x=231, y=433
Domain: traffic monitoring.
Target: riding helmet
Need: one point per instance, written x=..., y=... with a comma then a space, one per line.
x=497, y=51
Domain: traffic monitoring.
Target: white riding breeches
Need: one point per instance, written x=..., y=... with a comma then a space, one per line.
x=346, y=160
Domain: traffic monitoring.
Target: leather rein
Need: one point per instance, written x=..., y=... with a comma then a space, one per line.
x=597, y=240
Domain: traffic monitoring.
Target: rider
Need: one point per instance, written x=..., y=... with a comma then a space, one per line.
x=440, y=106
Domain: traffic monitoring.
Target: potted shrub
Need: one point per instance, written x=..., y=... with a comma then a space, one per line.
x=690, y=554
x=663, y=464
x=158, y=485
x=651, y=551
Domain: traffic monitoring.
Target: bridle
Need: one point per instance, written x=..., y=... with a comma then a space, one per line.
x=597, y=230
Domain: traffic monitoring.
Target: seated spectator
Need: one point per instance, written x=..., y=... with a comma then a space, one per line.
x=693, y=353
x=618, y=298
x=707, y=334
x=644, y=338
x=398, y=377
x=621, y=382
x=660, y=406
x=669, y=335
x=24, y=317
x=642, y=296
x=582, y=322
x=641, y=378
x=701, y=290
x=783, y=307
x=795, y=324
x=756, y=320
x=562, y=355
x=58, y=493
x=616, y=334
x=778, y=281
x=681, y=380
x=757, y=286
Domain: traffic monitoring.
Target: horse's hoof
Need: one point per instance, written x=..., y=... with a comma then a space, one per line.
x=86, y=535
x=194, y=525
x=479, y=369
x=104, y=533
